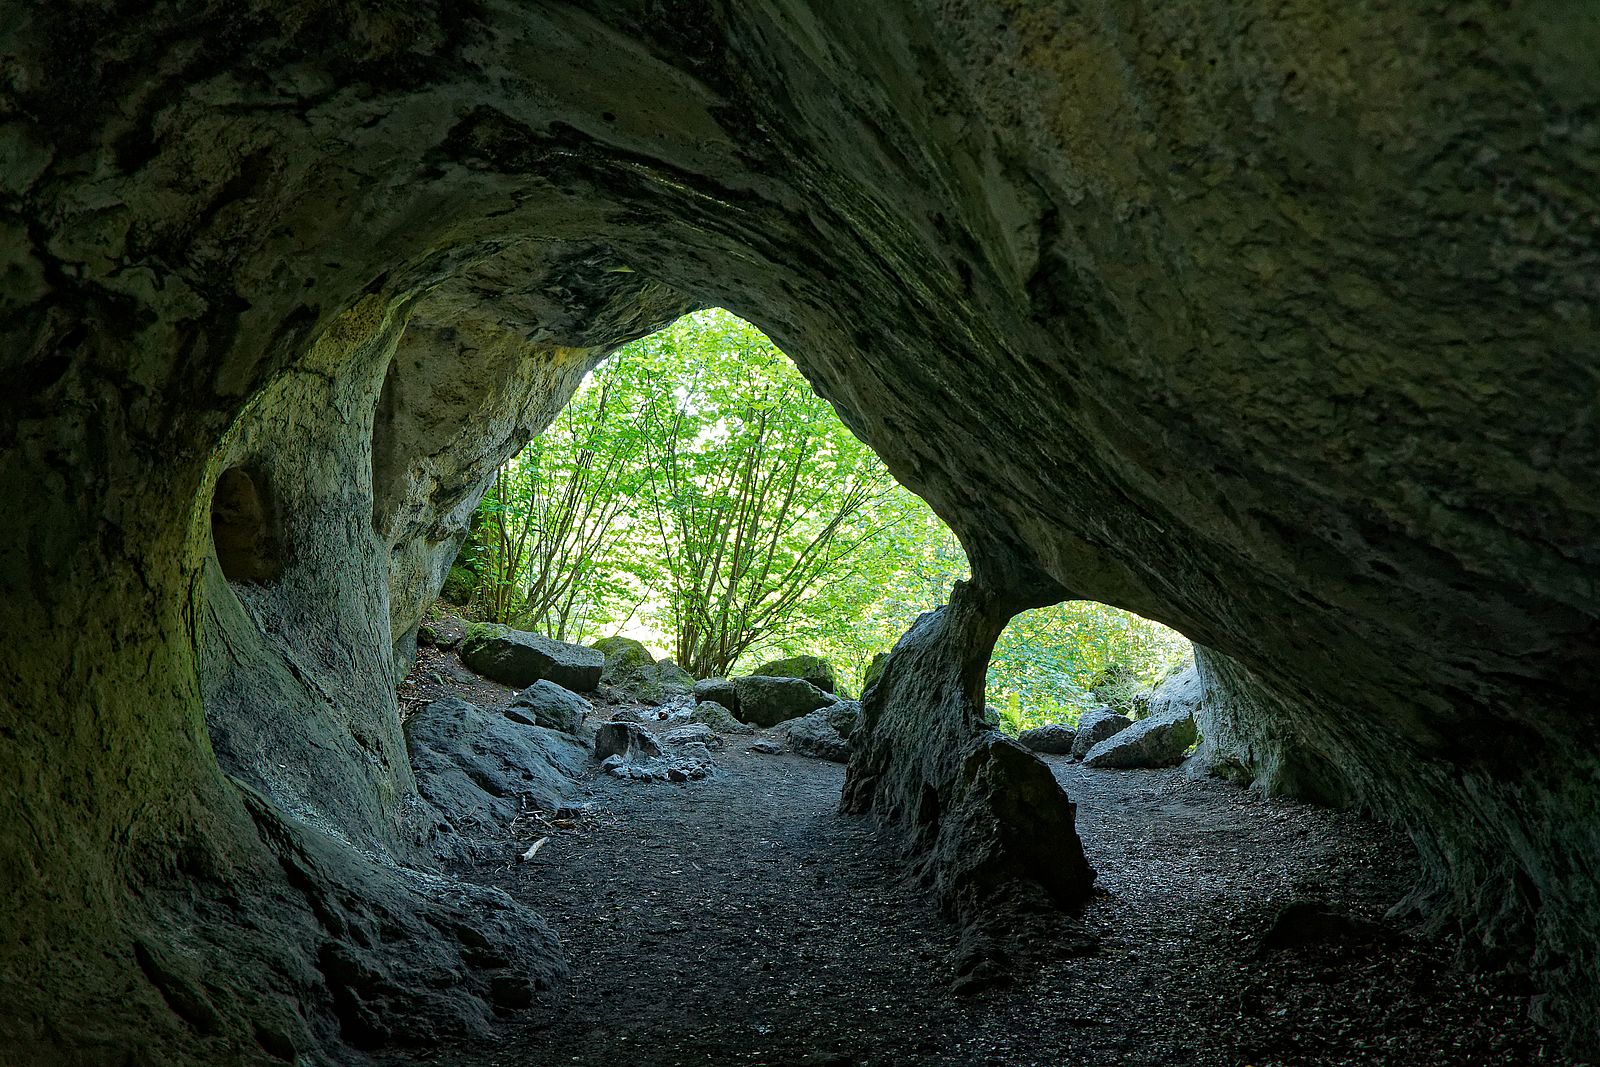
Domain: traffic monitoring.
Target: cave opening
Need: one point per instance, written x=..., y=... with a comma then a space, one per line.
x=1306, y=314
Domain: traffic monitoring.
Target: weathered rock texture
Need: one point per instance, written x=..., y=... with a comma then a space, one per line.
x=1278, y=325
x=546, y=704
x=1096, y=726
x=1054, y=739
x=635, y=674
x=814, y=669
x=1159, y=740
x=481, y=769
x=992, y=829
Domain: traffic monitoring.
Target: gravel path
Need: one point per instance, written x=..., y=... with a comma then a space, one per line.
x=741, y=920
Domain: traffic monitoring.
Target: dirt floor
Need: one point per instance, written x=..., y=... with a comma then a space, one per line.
x=742, y=920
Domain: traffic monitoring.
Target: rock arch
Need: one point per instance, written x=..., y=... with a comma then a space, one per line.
x=1267, y=327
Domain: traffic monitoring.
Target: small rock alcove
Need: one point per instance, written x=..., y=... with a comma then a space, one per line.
x=1268, y=328
x=242, y=528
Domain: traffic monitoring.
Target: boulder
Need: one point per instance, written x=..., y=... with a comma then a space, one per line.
x=1183, y=688
x=544, y=703
x=720, y=719
x=622, y=653
x=814, y=735
x=628, y=740
x=814, y=669
x=766, y=747
x=519, y=658
x=637, y=675
x=446, y=633
x=627, y=715
x=1095, y=727
x=1052, y=740
x=697, y=733
x=476, y=766
x=1161, y=739
x=721, y=690
x=844, y=716
x=768, y=701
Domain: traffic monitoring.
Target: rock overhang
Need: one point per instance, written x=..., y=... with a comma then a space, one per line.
x=1185, y=317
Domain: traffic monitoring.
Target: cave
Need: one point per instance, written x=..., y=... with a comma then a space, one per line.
x=1276, y=326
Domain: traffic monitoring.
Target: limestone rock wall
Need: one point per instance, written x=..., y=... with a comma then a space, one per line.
x=1276, y=325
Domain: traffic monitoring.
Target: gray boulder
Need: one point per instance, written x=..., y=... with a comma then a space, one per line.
x=697, y=733
x=1164, y=735
x=814, y=669
x=844, y=716
x=1095, y=727
x=768, y=701
x=720, y=719
x=1160, y=739
x=544, y=703
x=1053, y=740
x=518, y=658
x=720, y=690
x=479, y=767
x=1182, y=689
x=628, y=740
x=814, y=735
x=627, y=715
x=766, y=747
x=634, y=673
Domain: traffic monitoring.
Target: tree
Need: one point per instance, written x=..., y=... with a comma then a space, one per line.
x=549, y=527
x=759, y=495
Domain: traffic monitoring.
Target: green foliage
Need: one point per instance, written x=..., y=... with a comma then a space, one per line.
x=697, y=489
x=760, y=497
x=1052, y=664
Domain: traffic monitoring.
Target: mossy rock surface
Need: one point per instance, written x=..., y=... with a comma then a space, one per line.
x=814, y=669
x=635, y=673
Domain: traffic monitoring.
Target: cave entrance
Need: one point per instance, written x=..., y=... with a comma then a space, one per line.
x=699, y=511
x=1053, y=665
x=698, y=497
x=696, y=513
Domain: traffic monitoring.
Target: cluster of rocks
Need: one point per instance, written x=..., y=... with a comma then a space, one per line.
x=1108, y=740
x=627, y=750
x=800, y=694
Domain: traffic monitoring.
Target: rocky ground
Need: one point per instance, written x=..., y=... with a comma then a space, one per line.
x=741, y=920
